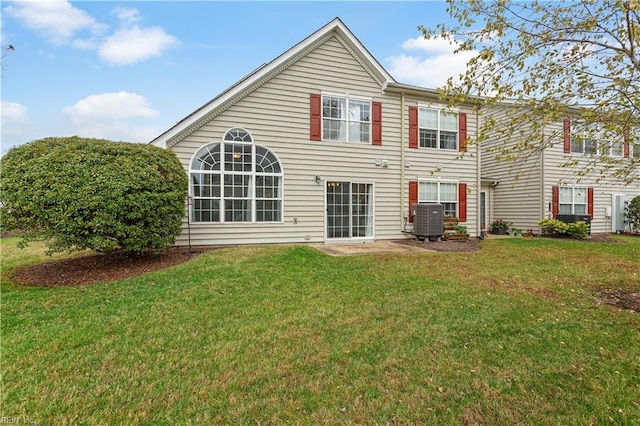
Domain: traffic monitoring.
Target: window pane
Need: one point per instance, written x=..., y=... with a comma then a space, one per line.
x=428, y=118
x=237, y=211
x=237, y=157
x=617, y=149
x=580, y=195
x=207, y=158
x=358, y=132
x=359, y=110
x=450, y=209
x=577, y=145
x=590, y=146
x=333, y=107
x=636, y=150
x=334, y=130
x=566, y=195
x=580, y=209
x=448, y=192
x=565, y=209
x=448, y=140
x=428, y=192
x=428, y=138
x=205, y=211
x=266, y=161
x=449, y=121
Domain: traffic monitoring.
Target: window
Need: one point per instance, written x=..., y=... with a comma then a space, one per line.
x=573, y=200
x=235, y=181
x=345, y=119
x=593, y=139
x=437, y=129
x=584, y=141
x=445, y=193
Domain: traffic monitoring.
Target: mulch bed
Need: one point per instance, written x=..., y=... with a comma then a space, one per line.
x=97, y=268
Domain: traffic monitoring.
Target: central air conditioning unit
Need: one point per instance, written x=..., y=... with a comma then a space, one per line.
x=428, y=220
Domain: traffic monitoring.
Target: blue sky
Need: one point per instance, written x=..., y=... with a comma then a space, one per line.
x=129, y=70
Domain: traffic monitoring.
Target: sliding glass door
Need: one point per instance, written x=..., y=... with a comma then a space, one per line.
x=349, y=210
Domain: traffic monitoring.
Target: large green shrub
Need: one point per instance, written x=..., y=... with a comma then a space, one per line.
x=78, y=193
x=557, y=228
x=633, y=213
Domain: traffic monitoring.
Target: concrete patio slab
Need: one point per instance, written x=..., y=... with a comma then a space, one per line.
x=368, y=248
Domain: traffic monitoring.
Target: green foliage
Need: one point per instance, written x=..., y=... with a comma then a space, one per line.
x=548, y=60
x=578, y=230
x=633, y=213
x=553, y=227
x=461, y=229
x=78, y=193
x=557, y=228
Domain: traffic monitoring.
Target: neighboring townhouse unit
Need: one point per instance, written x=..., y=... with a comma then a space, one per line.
x=543, y=186
x=323, y=145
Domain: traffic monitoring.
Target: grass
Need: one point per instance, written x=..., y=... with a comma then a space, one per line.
x=286, y=334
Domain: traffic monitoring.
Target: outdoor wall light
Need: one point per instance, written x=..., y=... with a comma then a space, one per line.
x=318, y=178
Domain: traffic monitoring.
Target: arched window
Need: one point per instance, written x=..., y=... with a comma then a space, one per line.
x=235, y=180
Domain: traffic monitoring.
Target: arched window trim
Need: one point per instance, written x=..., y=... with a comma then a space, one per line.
x=253, y=174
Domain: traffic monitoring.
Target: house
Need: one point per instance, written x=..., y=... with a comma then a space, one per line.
x=557, y=181
x=322, y=145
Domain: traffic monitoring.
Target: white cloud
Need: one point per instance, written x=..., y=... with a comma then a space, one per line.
x=432, y=64
x=60, y=23
x=131, y=45
x=127, y=16
x=14, y=118
x=55, y=20
x=115, y=116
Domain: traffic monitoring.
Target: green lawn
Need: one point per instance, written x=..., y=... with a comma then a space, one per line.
x=512, y=334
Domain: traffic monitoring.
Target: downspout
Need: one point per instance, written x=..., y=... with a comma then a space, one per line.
x=478, y=176
x=403, y=222
x=543, y=210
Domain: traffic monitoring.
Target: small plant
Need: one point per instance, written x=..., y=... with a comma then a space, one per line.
x=578, y=230
x=461, y=229
x=500, y=226
x=515, y=232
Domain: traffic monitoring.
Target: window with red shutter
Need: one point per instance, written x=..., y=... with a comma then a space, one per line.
x=413, y=127
x=462, y=131
x=462, y=202
x=376, y=123
x=413, y=197
x=315, y=108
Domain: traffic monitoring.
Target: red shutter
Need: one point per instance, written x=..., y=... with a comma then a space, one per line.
x=555, y=200
x=462, y=202
x=626, y=143
x=413, y=197
x=315, y=117
x=462, y=131
x=413, y=127
x=567, y=136
x=376, y=112
x=590, y=202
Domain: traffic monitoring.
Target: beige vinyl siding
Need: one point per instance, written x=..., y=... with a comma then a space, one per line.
x=527, y=199
x=429, y=164
x=277, y=115
x=603, y=190
x=518, y=196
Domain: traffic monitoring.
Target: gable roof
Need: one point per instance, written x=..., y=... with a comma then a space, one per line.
x=267, y=71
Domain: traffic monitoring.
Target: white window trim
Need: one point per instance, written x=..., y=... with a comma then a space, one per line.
x=223, y=172
x=573, y=198
x=439, y=181
x=440, y=110
x=347, y=96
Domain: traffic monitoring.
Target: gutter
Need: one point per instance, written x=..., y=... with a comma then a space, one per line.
x=402, y=177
